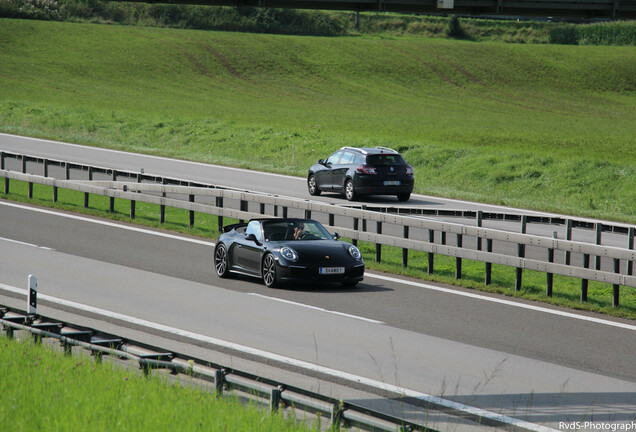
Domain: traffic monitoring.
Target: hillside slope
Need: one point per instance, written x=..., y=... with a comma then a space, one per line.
x=541, y=126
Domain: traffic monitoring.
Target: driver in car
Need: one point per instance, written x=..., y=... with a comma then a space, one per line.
x=298, y=231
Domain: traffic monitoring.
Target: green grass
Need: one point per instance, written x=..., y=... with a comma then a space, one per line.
x=544, y=127
x=566, y=290
x=44, y=390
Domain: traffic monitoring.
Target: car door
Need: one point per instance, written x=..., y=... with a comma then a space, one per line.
x=339, y=170
x=248, y=251
x=325, y=180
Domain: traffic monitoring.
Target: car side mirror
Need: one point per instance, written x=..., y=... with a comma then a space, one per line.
x=321, y=161
x=252, y=237
x=336, y=236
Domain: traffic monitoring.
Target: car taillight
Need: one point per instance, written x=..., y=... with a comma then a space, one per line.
x=409, y=170
x=365, y=169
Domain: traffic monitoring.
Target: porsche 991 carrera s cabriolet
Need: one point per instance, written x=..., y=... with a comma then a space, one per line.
x=287, y=250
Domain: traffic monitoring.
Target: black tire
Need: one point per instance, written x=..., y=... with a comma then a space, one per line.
x=312, y=185
x=404, y=196
x=350, y=191
x=268, y=271
x=222, y=261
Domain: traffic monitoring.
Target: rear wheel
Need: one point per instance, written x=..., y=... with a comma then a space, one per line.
x=404, y=196
x=268, y=271
x=350, y=192
x=222, y=261
x=313, y=186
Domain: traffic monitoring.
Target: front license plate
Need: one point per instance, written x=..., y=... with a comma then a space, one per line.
x=331, y=270
x=392, y=183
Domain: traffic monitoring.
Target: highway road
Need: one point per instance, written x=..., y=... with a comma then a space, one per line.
x=538, y=363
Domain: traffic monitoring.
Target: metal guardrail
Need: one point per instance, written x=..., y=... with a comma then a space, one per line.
x=417, y=233
x=223, y=379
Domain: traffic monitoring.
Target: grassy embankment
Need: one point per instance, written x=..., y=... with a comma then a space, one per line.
x=44, y=390
x=536, y=126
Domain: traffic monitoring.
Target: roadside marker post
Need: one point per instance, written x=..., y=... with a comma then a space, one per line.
x=33, y=295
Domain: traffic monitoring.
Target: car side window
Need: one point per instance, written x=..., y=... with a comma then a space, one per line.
x=359, y=159
x=254, y=227
x=347, y=158
x=334, y=158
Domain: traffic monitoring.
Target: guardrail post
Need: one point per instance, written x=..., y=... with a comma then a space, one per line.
x=67, y=170
x=488, y=277
x=191, y=199
x=2, y=156
x=584, y=283
x=33, y=295
x=219, y=204
x=262, y=208
x=364, y=221
x=274, y=398
x=243, y=207
x=550, y=277
x=458, y=260
x=336, y=415
x=219, y=380
x=568, y=236
x=443, y=237
x=521, y=248
x=24, y=164
x=332, y=219
x=405, y=251
x=307, y=214
x=630, y=246
x=285, y=212
x=378, y=246
x=599, y=230
x=86, y=194
x=30, y=190
x=162, y=207
x=431, y=255
x=132, y=209
x=54, y=194
x=480, y=219
x=356, y=224
x=616, y=287
x=6, y=185
x=111, y=208
x=46, y=167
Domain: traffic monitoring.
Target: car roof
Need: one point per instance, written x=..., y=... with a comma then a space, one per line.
x=372, y=150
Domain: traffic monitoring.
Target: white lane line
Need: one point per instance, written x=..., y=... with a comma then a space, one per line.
x=501, y=301
x=478, y=412
x=25, y=244
x=316, y=308
x=109, y=224
x=366, y=274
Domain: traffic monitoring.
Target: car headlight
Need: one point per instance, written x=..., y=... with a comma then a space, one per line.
x=289, y=254
x=355, y=252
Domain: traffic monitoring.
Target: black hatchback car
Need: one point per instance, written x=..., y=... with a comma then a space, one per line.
x=355, y=171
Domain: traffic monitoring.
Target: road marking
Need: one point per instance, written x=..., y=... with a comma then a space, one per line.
x=367, y=274
x=316, y=308
x=25, y=244
x=435, y=400
x=110, y=224
x=501, y=301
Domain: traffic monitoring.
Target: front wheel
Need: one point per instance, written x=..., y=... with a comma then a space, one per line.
x=313, y=186
x=350, y=192
x=222, y=261
x=268, y=271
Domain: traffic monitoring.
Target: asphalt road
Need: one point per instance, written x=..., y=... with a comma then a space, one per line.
x=496, y=356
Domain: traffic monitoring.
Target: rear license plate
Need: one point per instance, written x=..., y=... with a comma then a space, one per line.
x=331, y=270
x=392, y=183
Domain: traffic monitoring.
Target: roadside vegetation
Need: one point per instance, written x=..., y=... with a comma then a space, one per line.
x=42, y=389
x=320, y=23
x=566, y=291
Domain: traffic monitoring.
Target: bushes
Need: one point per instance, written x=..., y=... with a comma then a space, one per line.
x=611, y=33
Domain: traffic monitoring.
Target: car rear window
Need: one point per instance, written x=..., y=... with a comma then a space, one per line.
x=385, y=159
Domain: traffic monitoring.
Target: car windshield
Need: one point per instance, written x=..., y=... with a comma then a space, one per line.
x=385, y=159
x=295, y=229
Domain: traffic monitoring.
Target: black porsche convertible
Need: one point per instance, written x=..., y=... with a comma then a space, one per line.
x=287, y=250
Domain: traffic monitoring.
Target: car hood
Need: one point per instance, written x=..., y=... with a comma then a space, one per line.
x=318, y=249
